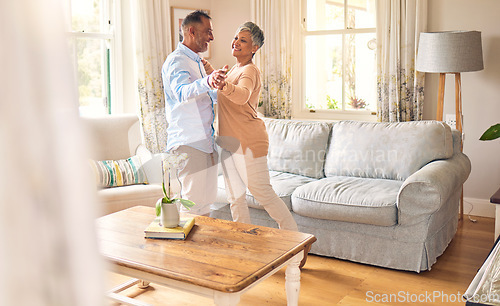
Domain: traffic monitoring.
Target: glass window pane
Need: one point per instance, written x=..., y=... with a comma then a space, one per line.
x=361, y=14
x=324, y=72
x=325, y=15
x=329, y=14
x=360, y=72
x=91, y=75
x=87, y=15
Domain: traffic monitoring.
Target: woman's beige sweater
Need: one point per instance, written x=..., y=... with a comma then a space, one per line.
x=237, y=112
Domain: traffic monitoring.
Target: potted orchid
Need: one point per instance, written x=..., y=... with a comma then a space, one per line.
x=166, y=207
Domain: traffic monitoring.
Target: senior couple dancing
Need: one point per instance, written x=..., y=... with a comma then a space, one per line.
x=192, y=89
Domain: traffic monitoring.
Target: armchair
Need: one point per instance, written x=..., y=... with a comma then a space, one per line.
x=118, y=137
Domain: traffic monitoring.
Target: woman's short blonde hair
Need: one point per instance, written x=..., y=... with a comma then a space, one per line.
x=255, y=32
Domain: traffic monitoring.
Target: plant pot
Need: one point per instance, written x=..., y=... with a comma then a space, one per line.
x=169, y=216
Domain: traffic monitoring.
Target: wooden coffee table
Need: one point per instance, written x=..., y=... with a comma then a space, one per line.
x=219, y=259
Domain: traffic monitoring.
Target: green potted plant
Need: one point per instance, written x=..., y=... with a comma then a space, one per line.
x=166, y=207
x=493, y=132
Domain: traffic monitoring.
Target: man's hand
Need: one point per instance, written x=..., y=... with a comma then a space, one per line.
x=208, y=67
x=217, y=79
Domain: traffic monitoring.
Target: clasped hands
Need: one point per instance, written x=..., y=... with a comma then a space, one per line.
x=217, y=78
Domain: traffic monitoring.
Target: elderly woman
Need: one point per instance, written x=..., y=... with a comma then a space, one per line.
x=242, y=134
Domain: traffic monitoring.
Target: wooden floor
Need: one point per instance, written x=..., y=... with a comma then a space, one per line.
x=329, y=281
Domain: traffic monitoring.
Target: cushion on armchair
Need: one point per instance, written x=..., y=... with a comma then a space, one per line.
x=123, y=172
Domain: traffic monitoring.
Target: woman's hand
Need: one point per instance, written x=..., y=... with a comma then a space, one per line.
x=217, y=78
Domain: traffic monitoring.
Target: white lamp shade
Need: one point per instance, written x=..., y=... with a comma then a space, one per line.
x=450, y=52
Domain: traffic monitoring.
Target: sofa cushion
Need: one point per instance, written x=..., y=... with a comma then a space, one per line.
x=297, y=147
x=123, y=172
x=283, y=184
x=349, y=199
x=386, y=150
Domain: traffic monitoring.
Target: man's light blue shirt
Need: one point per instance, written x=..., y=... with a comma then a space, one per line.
x=189, y=101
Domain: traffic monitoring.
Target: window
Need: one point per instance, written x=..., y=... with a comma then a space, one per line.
x=339, y=48
x=92, y=41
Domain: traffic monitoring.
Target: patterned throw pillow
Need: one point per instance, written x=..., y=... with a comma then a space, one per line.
x=123, y=172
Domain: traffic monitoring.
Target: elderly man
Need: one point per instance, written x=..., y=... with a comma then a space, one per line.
x=189, y=104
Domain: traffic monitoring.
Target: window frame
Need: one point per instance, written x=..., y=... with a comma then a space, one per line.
x=113, y=39
x=300, y=110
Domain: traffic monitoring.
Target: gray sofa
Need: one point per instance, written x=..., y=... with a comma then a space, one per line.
x=385, y=194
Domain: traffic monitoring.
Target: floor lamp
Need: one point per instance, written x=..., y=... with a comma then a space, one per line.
x=450, y=52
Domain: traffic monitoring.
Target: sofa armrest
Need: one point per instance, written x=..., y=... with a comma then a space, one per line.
x=425, y=191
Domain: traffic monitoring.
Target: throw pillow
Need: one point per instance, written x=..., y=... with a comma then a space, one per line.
x=123, y=172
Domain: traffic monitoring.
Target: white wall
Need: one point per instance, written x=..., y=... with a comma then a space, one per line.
x=227, y=16
x=480, y=92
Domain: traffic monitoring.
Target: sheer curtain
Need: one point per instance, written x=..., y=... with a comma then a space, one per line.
x=274, y=59
x=152, y=40
x=49, y=254
x=399, y=86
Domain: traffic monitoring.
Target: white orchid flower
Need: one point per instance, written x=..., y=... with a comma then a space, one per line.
x=172, y=162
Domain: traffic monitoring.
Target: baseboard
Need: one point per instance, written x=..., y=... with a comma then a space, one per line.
x=479, y=207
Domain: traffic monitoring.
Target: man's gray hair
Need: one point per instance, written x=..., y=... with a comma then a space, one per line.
x=255, y=32
x=194, y=17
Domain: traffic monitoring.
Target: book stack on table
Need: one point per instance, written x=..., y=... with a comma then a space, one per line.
x=157, y=231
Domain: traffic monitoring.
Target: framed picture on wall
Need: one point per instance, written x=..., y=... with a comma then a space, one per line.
x=177, y=15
